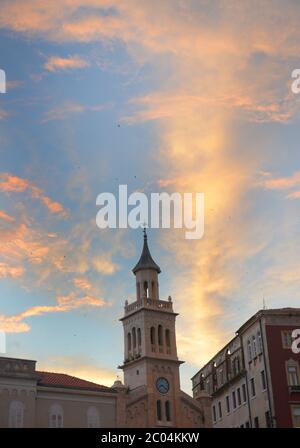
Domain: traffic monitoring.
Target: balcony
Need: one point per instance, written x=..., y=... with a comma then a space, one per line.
x=153, y=304
x=294, y=389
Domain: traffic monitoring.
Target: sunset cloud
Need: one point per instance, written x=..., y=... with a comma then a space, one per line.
x=56, y=63
x=69, y=109
x=10, y=183
x=12, y=324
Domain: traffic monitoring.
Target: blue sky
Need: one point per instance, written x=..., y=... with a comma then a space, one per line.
x=195, y=97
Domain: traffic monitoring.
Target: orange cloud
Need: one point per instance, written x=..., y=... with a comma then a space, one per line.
x=10, y=271
x=283, y=183
x=71, y=108
x=5, y=217
x=56, y=63
x=64, y=304
x=10, y=183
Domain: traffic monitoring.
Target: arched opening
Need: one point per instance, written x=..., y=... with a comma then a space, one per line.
x=138, y=291
x=146, y=290
x=139, y=338
x=134, y=338
x=168, y=340
x=158, y=410
x=160, y=335
x=153, y=290
x=129, y=342
x=152, y=339
x=168, y=412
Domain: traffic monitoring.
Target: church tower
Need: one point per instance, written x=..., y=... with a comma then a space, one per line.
x=151, y=365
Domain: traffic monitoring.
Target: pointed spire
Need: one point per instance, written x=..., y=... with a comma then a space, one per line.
x=146, y=261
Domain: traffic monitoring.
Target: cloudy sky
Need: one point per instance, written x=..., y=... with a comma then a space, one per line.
x=168, y=95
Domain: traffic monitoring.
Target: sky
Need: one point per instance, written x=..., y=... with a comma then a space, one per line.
x=168, y=95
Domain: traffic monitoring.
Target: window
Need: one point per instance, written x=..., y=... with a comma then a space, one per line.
x=296, y=416
x=227, y=404
x=220, y=409
x=56, y=416
x=239, y=396
x=160, y=337
x=259, y=341
x=129, y=342
x=93, y=420
x=168, y=342
x=254, y=347
x=134, y=338
x=152, y=335
x=158, y=410
x=146, y=290
x=263, y=380
x=139, y=337
x=286, y=338
x=233, y=400
x=221, y=373
x=168, y=414
x=292, y=375
x=249, y=351
x=214, y=413
x=252, y=386
x=244, y=393
x=16, y=414
x=256, y=422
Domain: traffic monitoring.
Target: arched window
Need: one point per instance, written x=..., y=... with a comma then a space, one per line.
x=153, y=290
x=16, y=414
x=93, y=419
x=146, y=289
x=160, y=336
x=134, y=338
x=158, y=410
x=168, y=341
x=152, y=335
x=139, y=337
x=129, y=341
x=168, y=413
x=138, y=291
x=56, y=418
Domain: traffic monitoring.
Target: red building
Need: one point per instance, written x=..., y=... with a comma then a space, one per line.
x=254, y=380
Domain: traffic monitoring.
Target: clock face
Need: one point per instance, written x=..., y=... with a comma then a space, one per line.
x=162, y=385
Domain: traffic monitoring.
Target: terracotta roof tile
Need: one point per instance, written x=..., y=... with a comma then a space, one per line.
x=64, y=380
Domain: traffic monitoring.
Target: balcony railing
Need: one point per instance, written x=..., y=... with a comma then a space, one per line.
x=163, y=305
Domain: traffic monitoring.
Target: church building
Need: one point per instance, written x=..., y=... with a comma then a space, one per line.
x=150, y=396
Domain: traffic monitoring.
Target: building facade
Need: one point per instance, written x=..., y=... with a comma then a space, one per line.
x=254, y=380
x=150, y=396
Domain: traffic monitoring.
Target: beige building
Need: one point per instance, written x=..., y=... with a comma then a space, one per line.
x=254, y=380
x=150, y=396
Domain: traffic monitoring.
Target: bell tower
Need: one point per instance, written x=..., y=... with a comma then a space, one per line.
x=150, y=363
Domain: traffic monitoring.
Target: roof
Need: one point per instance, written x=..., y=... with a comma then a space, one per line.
x=63, y=380
x=146, y=261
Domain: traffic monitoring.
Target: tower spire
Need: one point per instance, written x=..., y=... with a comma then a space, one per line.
x=146, y=261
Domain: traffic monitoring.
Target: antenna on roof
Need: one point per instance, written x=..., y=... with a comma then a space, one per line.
x=264, y=304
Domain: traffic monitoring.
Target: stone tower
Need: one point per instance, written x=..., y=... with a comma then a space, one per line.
x=151, y=365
